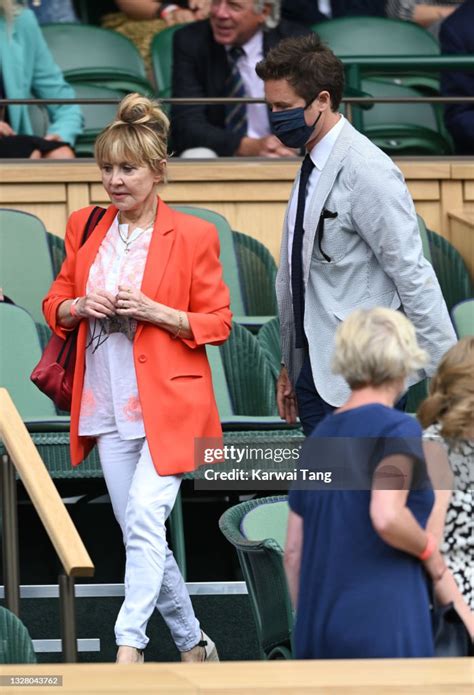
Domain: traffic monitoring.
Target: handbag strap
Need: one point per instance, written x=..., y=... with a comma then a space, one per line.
x=92, y=222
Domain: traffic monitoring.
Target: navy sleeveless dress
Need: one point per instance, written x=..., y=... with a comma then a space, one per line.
x=358, y=596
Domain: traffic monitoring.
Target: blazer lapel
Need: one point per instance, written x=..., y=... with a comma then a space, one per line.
x=324, y=187
x=161, y=244
x=160, y=248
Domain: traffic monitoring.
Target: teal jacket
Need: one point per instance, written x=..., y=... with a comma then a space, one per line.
x=28, y=69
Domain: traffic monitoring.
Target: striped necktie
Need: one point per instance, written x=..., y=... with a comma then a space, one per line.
x=236, y=114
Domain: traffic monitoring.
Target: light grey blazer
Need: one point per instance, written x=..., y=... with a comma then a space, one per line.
x=376, y=260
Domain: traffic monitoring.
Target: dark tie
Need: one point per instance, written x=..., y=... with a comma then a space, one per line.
x=297, y=285
x=236, y=114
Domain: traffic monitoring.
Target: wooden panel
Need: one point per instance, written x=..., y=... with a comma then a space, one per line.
x=431, y=213
x=251, y=193
x=234, y=170
x=462, y=236
x=32, y=193
x=78, y=196
x=424, y=169
x=236, y=191
x=50, y=171
x=451, y=199
x=469, y=190
x=424, y=190
x=463, y=169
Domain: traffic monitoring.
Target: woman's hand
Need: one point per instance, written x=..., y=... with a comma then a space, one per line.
x=447, y=591
x=97, y=305
x=64, y=152
x=179, y=16
x=286, y=398
x=201, y=8
x=6, y=129
x=133, y=303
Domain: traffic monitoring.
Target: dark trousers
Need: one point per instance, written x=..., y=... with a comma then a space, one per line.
x=311, y=407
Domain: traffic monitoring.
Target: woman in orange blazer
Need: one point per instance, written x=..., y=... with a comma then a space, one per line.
x=147, y=294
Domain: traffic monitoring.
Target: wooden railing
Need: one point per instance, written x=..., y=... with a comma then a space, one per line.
x=23, y=457
x=345, y=677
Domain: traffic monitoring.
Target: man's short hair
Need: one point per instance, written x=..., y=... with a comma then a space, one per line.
x=309, y=66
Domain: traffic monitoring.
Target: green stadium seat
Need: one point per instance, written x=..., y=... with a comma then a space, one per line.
x=269, y=340
x=463, y=318
x=249, y=378
x=404, y=129
x=21, y=351
x=25, y=264
x=424, y=239
x=57, y=251
x=451, y=271
x=96, y=117
x=162, y=60
x=378, y=36
x=251, y=528
x=230, y=265
x=257, y=273
x=17, y=647
x=97, y=56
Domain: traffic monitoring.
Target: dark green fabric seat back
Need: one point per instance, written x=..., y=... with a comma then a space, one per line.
x=79, y=49
x=262, y=566
x=20, y=351
x=227, y=255
x=266, y=521
x=26, y=272
x=15, y=641
x=463, y=318
x=365, y=36
x=162, y=60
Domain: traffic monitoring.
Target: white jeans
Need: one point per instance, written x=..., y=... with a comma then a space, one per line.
x=142, y=501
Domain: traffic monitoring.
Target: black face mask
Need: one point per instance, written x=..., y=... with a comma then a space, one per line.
x=290, y=126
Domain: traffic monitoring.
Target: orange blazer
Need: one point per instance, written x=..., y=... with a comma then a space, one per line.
x=182, y=271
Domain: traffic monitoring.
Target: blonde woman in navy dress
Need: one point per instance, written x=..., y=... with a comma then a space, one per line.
x=358, y=558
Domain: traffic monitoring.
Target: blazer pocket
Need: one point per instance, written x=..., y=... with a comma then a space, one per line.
x=186, y=377
x=389, y=300
x=337, y=240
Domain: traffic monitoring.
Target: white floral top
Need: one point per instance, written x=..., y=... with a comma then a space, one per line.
x=458, y=542
x=110, y=399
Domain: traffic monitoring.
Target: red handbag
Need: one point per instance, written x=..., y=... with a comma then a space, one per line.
x=54, y=373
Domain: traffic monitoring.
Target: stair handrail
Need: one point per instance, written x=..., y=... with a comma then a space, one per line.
x=23, y=457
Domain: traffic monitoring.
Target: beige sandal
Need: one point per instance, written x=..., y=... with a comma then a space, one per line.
x=205, y=650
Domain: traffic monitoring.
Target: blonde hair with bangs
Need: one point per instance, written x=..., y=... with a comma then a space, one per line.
x=138, y=135
x=451, y=399
x=376, y=346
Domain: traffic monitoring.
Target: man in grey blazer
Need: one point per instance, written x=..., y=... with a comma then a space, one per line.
x=350, y=236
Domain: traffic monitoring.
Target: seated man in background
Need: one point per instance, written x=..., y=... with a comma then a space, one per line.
x=457, y=36
x=27, y=68
x=216, y=58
